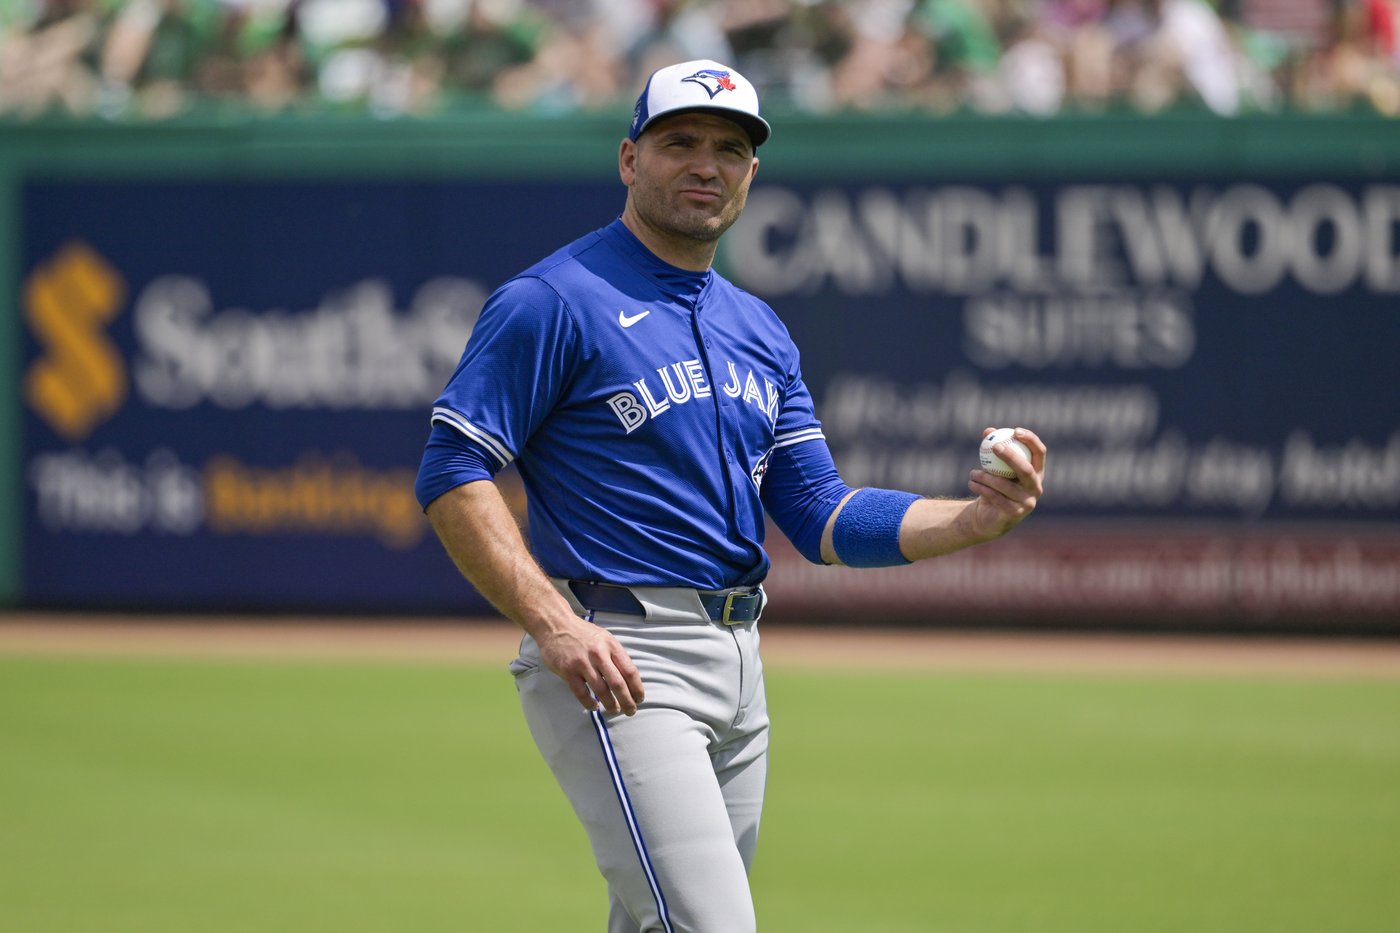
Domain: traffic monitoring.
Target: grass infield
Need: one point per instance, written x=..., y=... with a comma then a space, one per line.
x=262, y=795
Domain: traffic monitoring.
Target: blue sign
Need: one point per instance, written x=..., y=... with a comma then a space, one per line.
x=1205, y=351
x=226, y=385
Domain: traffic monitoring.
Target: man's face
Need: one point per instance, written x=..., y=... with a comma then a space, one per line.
x=689, y=175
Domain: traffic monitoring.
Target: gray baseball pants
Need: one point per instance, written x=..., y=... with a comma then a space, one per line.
x=670, y=797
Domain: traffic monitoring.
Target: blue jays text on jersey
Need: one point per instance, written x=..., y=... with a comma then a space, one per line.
x=679, y=383
x=649, y=410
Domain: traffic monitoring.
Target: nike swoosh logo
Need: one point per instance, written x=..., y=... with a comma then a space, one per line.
x=626, y=321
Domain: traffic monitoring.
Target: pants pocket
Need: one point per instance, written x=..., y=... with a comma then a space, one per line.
x=528, y=662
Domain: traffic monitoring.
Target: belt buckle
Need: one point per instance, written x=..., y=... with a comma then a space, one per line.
x=729, y=606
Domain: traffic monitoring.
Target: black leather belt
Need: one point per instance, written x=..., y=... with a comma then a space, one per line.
x=730, y=607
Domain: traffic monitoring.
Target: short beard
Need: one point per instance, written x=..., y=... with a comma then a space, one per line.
x=702, y=230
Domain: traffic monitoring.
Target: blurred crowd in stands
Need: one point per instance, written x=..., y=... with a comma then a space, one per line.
x=155, y=59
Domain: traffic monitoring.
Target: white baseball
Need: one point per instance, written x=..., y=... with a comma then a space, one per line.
x=990, y=461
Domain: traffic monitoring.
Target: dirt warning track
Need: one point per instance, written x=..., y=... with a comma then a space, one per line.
x=490, y=641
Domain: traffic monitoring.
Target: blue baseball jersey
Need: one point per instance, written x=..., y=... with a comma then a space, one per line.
x=643, y=405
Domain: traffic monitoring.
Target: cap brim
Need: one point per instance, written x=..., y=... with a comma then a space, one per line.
x=757, y=128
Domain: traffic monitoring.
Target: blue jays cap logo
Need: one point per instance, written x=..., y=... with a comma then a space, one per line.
x=711, y=80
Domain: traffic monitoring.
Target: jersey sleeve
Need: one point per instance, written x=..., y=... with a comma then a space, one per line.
x=519, y=358
x=801, y=487
x=450, y=460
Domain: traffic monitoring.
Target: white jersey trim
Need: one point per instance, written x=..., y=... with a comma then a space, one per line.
x=493, y=446
x=797, y=437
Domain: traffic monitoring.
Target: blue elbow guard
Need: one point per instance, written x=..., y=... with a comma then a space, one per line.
x=867, y=530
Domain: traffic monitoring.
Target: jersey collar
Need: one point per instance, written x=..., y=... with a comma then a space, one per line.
x=672, y=279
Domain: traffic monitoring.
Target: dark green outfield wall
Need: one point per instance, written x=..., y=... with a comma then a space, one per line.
x=514, y=146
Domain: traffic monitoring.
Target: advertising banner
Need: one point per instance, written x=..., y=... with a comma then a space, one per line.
x=226, y=385
x=1210, y=364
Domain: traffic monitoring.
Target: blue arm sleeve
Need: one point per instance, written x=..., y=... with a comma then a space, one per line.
x=800, y=491
x=449, y=460
x=802, y=488
x=866, y=533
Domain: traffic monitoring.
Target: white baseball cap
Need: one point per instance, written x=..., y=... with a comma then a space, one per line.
x=700, y=85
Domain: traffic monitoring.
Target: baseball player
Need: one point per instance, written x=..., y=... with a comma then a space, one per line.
x=656, y=413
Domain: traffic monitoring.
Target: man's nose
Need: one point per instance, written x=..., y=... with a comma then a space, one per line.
x=704, y=161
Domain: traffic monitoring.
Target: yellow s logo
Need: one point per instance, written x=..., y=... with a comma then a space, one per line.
x=80, y=381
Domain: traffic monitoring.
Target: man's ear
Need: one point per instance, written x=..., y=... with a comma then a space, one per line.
x=627, y=162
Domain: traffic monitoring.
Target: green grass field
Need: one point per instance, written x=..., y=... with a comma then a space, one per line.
x=293, y=796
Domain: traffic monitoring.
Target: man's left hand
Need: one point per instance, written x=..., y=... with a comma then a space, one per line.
x=1003, y=503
